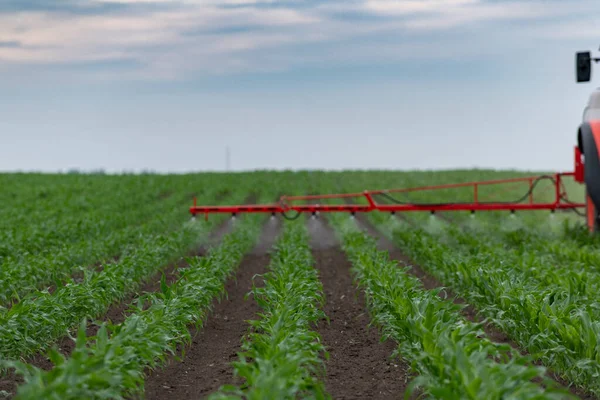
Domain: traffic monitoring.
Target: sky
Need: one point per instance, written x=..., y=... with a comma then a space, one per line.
x=169, y=85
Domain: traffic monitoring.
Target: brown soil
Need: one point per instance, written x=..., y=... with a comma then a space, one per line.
x=469, y=312
x=207, y=362
x=360, y=366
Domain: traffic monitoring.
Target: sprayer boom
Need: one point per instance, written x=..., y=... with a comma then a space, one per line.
x=352, y=201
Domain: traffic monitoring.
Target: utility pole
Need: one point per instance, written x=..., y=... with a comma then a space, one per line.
x=227, y=159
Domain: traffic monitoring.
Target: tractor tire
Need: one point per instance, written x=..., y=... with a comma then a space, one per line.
x=592, y=215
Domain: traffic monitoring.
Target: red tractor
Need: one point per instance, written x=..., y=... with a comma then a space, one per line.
x=588, y=141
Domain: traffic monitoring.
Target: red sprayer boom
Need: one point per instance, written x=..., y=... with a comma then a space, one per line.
x=290, y=204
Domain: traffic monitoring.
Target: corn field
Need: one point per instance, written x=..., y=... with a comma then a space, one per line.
x=110, y=290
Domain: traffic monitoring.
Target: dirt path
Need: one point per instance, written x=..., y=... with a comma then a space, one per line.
x=360, y=366
x=206, y=365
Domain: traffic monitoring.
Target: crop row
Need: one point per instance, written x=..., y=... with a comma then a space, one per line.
x=58, y=211
x=452, y=356
x=42, y=317
x=552, y=262
x=551, y=322
x=21, y=274
x=556, y=242
x=538, y=258
x=112, y=364
x=280, y=356
x=67, y=213
x=79, y=222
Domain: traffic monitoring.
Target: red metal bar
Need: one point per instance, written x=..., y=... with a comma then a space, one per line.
x=278, y=209
x=386, y=208
x=372, y=204
x=480, y=207
x=237, y=209
x=463, y=184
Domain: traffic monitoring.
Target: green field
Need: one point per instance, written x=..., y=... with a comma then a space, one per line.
x=108, y=289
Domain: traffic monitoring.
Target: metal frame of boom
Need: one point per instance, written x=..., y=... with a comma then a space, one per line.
x=286, y=203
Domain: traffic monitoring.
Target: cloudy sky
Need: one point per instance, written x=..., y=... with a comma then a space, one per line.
x=167, y=85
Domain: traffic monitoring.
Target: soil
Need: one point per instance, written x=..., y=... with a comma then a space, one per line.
x=207, y=362
x=360, y=365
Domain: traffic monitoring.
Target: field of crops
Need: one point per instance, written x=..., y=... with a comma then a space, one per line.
x=109, y=290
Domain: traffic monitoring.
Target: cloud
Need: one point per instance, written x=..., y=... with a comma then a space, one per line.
x=10, y=44
x=403, y=7
x=60, y=38
x=446, y=14
x=73, y=7
x=166, y=39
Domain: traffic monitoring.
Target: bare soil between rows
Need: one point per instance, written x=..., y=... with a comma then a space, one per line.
x=360, y=365
x=207, y=362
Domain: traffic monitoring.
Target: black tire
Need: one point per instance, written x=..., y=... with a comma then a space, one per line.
x=590, y=148
x=594, y=226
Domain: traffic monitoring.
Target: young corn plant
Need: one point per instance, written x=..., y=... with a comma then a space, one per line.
x=42, y=317
x=555, y=262
x=556, y=323
x=280, y=356
x=111, y=365
x=24, y=272
x=453, y=357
